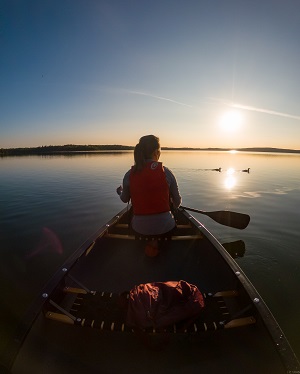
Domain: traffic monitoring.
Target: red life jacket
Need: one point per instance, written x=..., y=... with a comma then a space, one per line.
x=149, y=189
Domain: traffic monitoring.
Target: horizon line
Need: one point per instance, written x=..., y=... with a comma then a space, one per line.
x=130, y=147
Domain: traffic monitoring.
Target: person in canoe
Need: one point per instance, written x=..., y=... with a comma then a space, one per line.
x=151, y=187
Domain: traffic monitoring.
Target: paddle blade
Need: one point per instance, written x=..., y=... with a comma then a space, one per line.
x=231, y=219
x=225, y=217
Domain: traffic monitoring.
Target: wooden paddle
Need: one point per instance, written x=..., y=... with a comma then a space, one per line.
x=225, y=217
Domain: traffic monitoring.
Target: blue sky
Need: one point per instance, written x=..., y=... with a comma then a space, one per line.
x=195, y=73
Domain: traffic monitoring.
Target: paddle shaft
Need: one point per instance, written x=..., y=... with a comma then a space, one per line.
x=225, y=217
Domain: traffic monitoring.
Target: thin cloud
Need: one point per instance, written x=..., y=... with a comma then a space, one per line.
x=158, y=97
x=267, y=111
x=255, y=109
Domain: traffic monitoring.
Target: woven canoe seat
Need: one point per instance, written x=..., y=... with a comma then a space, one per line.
x=107, y=311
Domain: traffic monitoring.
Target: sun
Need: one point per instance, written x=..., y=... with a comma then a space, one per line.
x=231, y=121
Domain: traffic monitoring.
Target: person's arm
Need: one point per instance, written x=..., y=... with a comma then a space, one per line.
x=174, y=190
x=124, y=192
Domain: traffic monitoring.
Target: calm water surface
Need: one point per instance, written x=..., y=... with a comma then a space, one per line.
x=50, y=205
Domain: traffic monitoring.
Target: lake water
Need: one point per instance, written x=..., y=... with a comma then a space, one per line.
x=49, y=205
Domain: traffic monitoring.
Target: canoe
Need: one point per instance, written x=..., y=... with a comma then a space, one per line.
x=75, y=325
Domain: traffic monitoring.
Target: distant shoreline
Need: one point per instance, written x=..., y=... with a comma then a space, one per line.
x=72, y=148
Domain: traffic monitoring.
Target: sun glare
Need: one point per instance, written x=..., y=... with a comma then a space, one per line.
x=231, y=121
x=230, y=171
x=230, y=180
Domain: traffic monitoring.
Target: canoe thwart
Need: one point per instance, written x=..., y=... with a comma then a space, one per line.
x=74, y=290
x=239, y=322
x=58, y=317
x=126, y=226
x=133, y=237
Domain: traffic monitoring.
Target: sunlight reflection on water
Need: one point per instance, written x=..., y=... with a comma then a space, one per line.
x=230, y=180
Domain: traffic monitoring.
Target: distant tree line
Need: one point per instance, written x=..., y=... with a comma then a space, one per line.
x=50, y=149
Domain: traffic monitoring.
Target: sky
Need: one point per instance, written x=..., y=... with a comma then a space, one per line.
x=196, y=73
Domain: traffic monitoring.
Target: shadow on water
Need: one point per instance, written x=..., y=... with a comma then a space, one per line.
x=236, y=249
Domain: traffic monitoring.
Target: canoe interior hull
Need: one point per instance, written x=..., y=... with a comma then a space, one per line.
x=113, y=263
